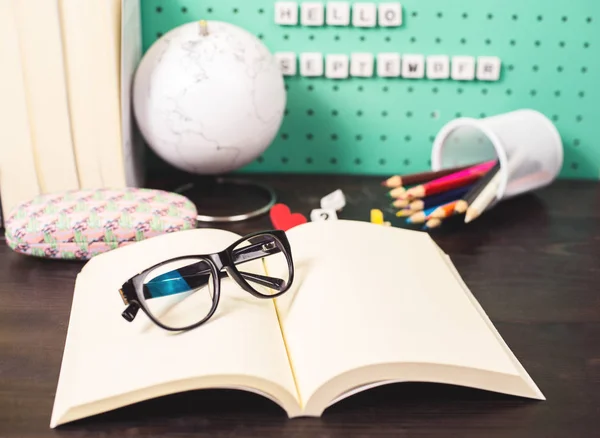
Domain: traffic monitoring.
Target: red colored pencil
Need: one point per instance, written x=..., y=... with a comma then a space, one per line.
x=453, y=181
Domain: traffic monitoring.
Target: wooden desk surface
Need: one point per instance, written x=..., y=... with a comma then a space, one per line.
x=533, y=263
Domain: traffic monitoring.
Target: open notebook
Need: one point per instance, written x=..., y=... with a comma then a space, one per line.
x=369, y=305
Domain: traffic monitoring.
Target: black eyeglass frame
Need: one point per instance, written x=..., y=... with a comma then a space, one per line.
x=133, y=288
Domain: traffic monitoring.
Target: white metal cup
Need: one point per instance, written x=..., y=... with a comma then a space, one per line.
x=526, y=143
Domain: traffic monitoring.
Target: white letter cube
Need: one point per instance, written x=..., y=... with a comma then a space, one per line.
x=413, y=66
x=286, y=13
x=390, y=14
x=438, y=67
x=488, y=68
x=364, y=15
x=323, y=214
x=336, y=66
x=362, y=65
x=312, y=14
x=463, y=68
x=388, y=65
x=335, y=200
x=311, y=64
x=286, y=62
x=338, y=14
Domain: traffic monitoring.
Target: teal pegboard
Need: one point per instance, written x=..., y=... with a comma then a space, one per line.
x=550, y=54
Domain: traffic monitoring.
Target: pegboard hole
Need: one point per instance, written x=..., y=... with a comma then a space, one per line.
x=490, y=16
x=465, y=15
x=337, y=37
x=484, y=91
x=588, y=19
x=579, y=118
x=488, y=42
x=310, y=112
x=383, y=138
x=311, y=37
x=435, y=114
x=362, y=38
x=440, y=15
x=565, y=19
x=582, y=94
x=586, y=45
x=431, y=138
x=511, y=67
x=359, y=137
x=463, y=41
x=287, y=87
x=533, y=92
x=410, y=89
x=285, y=136
x=360, y=88
x=286, y=112
x=260, y=159
x=407, y=138
x=385, y=89
x=260, y=36
x=458, y=114
x=540, y=18
x=388, y=39
x=334, y=137
x=574, y=166
x=310, y=88
x=438, y=40
x=576, y=142
x=184, y=9
x=334, y=113
x=358, y=161
x=261, y=11
x=483, y=115
x=413, y=40
x=335, y=88
x=560, y=69
x=309, y=136
x=538, y=43
x=459, y=90
x=555, y=117
x=513, y=43
x=309, y=160
x=406, y=162
x=508, y=92
x=159, y=35
x=236, y=10
x=414, y=14
x=286, y=37
x=159, y=9
x=284, y=160
x=359, y=113
x=382, y=161
x=435, y=90
x=384, y=113
x=333, y=160
x=209, y=10
x=562, y=44
x=557, y=93
x=535, y=68
x=515, y=17
x=409, y=114
x=584, y=70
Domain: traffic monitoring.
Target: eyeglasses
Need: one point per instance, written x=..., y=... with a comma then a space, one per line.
x=183, y=293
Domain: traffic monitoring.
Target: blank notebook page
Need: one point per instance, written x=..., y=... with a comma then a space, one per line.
x=367, y=294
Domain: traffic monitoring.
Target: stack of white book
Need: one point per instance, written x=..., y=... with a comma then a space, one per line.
x=65, y=76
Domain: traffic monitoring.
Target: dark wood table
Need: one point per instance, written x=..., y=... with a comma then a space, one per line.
x=533, y=262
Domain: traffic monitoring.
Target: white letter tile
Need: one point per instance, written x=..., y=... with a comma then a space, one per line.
x=286, y=13
x=312, y=14
x=438, y=67
x=334, y=200
x=364, y=15
x=413, y=66
x=388, y=65
x=463, y=68
x=338, y=14
x=488, y=68
x=311, y=64
x=323, y=214
x=287, y=62
x=362, y=65
x=390, y=14
x=336, y=66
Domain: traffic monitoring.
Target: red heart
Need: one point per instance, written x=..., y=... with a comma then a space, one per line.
x=283, y=219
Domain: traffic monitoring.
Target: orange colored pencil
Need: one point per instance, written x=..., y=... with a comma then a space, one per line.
x=444, y=211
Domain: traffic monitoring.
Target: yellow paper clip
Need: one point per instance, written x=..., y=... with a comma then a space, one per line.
x=376, y=216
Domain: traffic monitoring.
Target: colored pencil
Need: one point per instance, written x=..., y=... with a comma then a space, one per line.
x=417, y=178
x=397, y=192
x=440, y=198
x=432, y=223
x=469, y=197
x=449, y=182
x=401, y=203
x=421, y=216
x=443, y=211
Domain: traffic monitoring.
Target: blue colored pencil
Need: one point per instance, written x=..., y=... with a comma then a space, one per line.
x=440, y=198
x=421, y=216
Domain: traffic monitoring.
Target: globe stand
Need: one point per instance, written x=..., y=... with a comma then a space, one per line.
x=225, y=197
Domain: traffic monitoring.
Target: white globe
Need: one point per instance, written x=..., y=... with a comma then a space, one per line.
x=208, y=104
